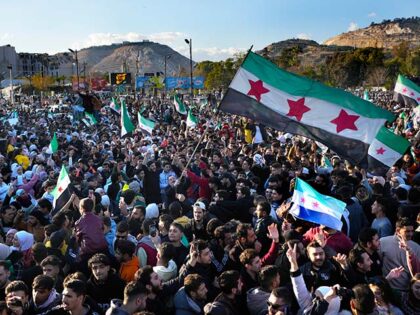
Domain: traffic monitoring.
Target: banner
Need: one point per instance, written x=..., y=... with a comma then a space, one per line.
x=120, y=78
x=184, y=82
x=172, y=82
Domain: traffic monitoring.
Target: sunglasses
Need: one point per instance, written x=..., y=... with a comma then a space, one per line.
x=277, y=307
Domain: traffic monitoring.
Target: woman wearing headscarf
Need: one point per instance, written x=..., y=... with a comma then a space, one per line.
x=21, y=255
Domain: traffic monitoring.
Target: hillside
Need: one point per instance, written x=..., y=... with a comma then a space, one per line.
x=116, y=57
x=382, y=35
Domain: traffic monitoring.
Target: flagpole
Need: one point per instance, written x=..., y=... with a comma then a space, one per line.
x=246, y=56
x=195, y=150
x=217, y=110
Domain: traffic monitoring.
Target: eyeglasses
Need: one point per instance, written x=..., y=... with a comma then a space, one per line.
x=277, y=307
x=121, y=236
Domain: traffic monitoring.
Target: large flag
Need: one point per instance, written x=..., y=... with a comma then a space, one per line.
x=406, y=91
x=62, y=192
x=13, y=118
x=145, y=124
x=126, y=124
x=386, y=149
x=89, y=119
x=192, y=121
x=179, y=106
x=115, y=106
x=310, y=205
x=285, y=101
x=53, y=147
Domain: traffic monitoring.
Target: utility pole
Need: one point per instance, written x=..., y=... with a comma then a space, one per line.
x=189, y=42
x=12, y=99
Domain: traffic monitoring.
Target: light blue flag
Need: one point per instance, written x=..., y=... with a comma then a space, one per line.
x=310, y=205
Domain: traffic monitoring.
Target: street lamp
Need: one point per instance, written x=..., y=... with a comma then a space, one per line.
x=77, y=66
x=12, y=101
x=189, y=42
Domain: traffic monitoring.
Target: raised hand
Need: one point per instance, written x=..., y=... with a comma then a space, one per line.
x=273, y=232
x=292, y=256
x=320, y=238
x=342, y=260
x=395, y=273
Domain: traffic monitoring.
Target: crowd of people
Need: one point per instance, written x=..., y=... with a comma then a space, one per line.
x=191, y=221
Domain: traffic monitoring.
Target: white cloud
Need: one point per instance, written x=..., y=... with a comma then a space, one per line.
x=97, y=39
x=175, y=40
x=6, y=37
x=352, y=27
x=372, y=14
x=303, y=36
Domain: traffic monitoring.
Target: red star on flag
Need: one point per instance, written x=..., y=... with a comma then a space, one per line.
x=257, y=89
x=315, y=204
x=297, y=108
x=345, y=121
x=60, y=189
x=404, y=90
x=418, y=99
x=412, y=93
x=302, y=200
x=380, y=151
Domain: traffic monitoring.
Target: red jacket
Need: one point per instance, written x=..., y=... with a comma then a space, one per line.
x=204, y=190
x=338, y=241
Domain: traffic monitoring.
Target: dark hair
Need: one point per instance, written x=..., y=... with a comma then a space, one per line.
x=200, y=245
x=107, y=221
x=99, y=259
x=166, y=252
x=16, y=285
x=59, y=219
x=143, y=275
x=166, y=219
x=122, y=227
x=403, y=222
x=50, y=229
x=43, y=282
x=51, y=260
x=265, y=206
x=39, y=252
x=314, y=244
x=175, y=209
x=192, y=282
x=242, y=230
x=45, y=203
x=267, y=275
x=283, y=293
x=401, y=193
x=78, y=286
x=366, y=235
x=245, y=191
x=364, y=300
x=146, y=226
x=125, y=247
x=133, y=289
x=5, y=265
x=228, y=280
x=86, y=204
x=355, y=257
x=178, y=226
x=223, y=194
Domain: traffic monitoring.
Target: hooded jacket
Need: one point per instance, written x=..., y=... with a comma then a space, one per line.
x=185, y=305
x=256, y=299
x=116, y=309
x=167, y=273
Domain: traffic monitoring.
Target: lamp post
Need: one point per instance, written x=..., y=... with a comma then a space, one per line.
x=166, y=60
x=189, y=42
x=77, y=66
x=12, y=101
